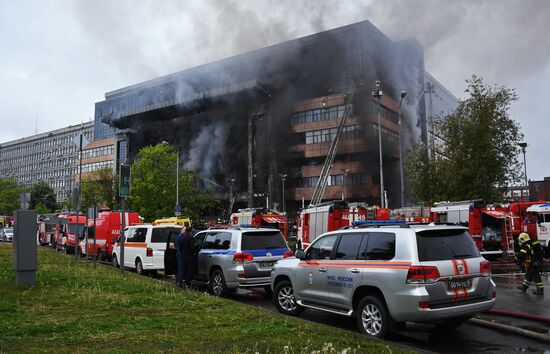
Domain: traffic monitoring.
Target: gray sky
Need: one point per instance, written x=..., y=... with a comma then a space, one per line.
x=57, y=58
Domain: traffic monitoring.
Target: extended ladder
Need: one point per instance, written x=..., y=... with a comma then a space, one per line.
x=327, y=166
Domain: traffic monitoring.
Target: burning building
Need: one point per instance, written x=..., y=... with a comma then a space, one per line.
x=264, y=118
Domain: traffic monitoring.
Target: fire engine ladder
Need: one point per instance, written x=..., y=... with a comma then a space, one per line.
x=508, y=235
x=327, y=166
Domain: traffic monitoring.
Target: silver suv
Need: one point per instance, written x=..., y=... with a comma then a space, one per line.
x=385, y=275
x=229, y=258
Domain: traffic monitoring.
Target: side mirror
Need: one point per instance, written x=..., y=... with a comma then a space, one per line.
x=300, y=254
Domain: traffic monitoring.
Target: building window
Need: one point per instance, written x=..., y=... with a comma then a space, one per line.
x=319, y=114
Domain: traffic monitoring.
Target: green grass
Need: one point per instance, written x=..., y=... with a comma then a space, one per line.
x=75, y=308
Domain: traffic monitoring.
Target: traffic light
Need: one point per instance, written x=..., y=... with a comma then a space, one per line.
x=124, y=181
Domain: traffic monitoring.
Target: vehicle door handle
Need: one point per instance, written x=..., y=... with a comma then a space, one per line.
x=354, y=270
x=322, y=270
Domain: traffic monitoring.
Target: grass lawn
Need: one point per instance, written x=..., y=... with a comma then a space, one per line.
x=74, y=308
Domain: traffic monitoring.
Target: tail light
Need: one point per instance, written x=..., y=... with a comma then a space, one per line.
x=149, y=252
x=485, y=268
x=494, y=294
x=424, y=304
x=422, y=274
x=240, y=257
x=289, y=254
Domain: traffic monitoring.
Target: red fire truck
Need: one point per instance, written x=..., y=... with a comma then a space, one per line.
x=537, y=224
x=416, y=214
x=261, y=217
x=46, y=230
x=330, y=216
x=107, y=227
x=67, y=235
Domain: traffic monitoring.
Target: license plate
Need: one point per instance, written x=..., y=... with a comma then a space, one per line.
x=460, y=284
x=266, y=264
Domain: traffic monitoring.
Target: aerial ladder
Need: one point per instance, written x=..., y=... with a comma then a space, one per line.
x=327, y=166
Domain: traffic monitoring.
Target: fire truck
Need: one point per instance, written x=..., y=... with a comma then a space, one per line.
x=107, y=228
x=68, y=234
x=46, y=230
x=261, y=217
x=330, y=216
x=417, y=214
x=537, y=224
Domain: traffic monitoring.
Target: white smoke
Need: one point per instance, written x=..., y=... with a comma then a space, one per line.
x=206, y=149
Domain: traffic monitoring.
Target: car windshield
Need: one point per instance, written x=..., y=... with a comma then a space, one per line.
x=262, y=240
x=160, y=235
x=439, y=245
x=9, y=231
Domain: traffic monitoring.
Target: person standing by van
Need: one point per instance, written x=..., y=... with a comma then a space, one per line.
x=180, y=275
x=188, y=255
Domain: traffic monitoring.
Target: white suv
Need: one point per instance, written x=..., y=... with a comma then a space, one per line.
x=144, y=247
x=385, y=276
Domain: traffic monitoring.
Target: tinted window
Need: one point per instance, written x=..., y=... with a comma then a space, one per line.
x=223, y=241
x=262, y=240
x=73, y=229
x=160, y=235
x=438, y=245
x=378, y=246
x=348, y=247
x=321, y=249
x=139, y=235
x=209, y=241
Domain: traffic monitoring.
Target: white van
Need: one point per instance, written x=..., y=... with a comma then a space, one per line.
x=144, y=247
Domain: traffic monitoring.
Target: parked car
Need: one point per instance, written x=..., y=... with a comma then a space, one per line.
x=386, y=276
x=232, y=257
x=7, y=234
x=144, y=247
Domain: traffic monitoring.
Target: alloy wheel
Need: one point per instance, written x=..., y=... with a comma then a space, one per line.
x=371, y=319
x=286, y=298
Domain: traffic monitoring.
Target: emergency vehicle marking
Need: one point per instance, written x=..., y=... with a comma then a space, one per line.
x=310, y=278
x=460, y=269
x=355, y=264
x=340, y=281
x=134, y=244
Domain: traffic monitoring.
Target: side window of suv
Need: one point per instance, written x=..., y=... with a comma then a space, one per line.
x=223, y=241
x=129, y=235
x=378, y=246
x=140, y=234
x=348, y=247
x=209, y=241
x=322, y=249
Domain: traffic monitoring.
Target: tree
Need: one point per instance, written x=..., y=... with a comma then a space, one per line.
x=9, y=196
x=480, y=157
x=153, y=186
x=100, y=187
x=43, y=198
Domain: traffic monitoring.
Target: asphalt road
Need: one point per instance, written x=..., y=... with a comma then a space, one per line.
x=468, y=338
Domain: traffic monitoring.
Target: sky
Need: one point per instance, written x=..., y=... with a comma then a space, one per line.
x=57, y=58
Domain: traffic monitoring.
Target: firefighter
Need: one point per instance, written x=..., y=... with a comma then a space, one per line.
x=530, y=259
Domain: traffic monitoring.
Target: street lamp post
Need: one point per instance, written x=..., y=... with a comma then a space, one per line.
x=283, y=178
x=164, y=142
x=523, y=148
x=345, y=173
x=403, y=94
x=378, y=95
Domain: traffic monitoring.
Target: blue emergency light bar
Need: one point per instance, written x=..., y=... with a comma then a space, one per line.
x=377, y=222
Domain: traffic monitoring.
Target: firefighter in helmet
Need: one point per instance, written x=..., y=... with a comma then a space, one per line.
x=530, y=259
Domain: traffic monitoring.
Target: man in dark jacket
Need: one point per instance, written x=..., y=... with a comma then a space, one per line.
x=188, y=255
x=531, y=258
x=180, y=275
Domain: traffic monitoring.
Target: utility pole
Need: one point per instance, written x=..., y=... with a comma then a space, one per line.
x=523, y=148
x=283, y=178
x=403, y=94
x=378, y=95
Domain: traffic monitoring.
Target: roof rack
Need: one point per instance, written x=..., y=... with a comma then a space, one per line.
x=359, y=224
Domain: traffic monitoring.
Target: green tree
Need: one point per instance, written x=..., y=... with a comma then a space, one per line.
x=480, y=157
x=100, y=187
x=153, y=186
x=43, y=198
x=9, y=196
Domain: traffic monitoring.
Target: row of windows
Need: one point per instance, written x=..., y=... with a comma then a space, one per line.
x=90, y=167
x=32, y=147
x=320, y=114
x=385, y=113
x=100, y=151
x=387, y=134
x=356, y=246
x=326, y=135
x=337, y=180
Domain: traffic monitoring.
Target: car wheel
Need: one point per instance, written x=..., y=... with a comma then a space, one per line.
x=217, y=283
x=115, y=261
x=451, y=323
x=284, y=299
x=139, y=267
x=372, y=317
